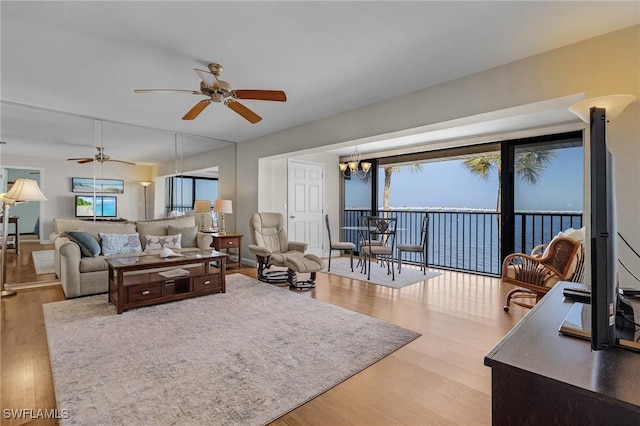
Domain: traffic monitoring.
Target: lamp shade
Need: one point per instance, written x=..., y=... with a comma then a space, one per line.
x=6, y=200
x=25, y=190
x=223, y=206
x=145, y=184
x=614, y=104
x=202, y=206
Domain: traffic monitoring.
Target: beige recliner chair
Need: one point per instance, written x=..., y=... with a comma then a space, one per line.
x=272, y=247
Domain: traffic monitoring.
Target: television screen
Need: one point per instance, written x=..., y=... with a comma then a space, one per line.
x=98, y=206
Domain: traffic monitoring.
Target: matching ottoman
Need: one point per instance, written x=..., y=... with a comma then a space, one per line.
x=308, y=263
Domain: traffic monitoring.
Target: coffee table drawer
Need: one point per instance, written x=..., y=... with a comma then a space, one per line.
x=138, y=293
x=207, y=283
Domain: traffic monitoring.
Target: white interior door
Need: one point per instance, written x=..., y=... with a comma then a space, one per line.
x=305, y=201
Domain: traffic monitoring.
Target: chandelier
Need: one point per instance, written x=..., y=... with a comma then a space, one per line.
x=354, y=167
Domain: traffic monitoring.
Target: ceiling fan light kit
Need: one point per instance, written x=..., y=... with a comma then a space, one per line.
x=220, y=91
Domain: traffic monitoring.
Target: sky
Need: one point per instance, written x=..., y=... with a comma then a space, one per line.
x=448, y=184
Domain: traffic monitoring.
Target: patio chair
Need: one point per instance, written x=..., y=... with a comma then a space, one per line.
x=363, y=226
x=379, y=241
x=417, y=248
x=341, y=246
x=536, y=274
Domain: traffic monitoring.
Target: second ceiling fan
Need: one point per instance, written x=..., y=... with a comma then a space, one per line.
x=220, y=91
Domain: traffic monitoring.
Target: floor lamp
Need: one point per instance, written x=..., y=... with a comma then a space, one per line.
x=222, y=207
x=144, y=186
x=22, y=191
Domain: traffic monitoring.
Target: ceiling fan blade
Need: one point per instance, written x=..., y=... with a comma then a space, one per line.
x=261, y=95
x=123, y=162
x=86, y=160
x=208, y=78
x=197, y=109
x=76, y=159
x=249, y=115
x=193, y=92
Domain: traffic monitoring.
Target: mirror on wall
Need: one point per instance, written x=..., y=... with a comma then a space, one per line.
x=28, y=213
x=41, y=138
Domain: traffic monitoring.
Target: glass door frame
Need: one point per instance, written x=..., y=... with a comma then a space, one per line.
x=507, y=182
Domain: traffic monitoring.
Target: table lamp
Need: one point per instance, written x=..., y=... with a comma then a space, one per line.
x=222, y=207
x=203, y=207
x=22, y=191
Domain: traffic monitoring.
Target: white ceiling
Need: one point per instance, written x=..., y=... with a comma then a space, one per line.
x=86, y=58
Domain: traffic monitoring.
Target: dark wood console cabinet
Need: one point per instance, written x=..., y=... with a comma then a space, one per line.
x=540, y=377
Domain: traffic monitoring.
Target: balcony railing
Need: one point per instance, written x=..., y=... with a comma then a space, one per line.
x=467, y=240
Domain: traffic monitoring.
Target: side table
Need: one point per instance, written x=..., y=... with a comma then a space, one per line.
x=226, y=242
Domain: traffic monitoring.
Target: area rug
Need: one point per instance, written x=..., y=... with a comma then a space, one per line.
x=245, y=357
x=43, y=261
x=341, y=266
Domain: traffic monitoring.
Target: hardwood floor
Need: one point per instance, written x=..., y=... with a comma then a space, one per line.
x=20, y=267
x=438, y=378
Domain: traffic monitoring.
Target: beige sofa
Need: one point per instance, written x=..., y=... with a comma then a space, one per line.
x=84, y=275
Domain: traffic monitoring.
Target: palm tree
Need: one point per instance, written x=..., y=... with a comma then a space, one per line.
x=388, y=172
x=529, y=166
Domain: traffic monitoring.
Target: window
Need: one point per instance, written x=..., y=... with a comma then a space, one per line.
x=182, y=191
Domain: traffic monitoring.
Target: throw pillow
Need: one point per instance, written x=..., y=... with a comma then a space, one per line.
x=89, y=246
x=120, y=243
x=188, y=235
x=158, y=242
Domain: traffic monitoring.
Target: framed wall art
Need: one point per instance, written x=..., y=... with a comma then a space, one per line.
x=110, y=186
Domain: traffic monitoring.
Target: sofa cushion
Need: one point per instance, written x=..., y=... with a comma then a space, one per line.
x=158, y=242
x=93, y=264
x=120, y=243
x=188, y=235
x=160, y=226
x=89, y=246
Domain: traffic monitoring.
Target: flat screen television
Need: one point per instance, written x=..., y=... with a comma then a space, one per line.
x=608, y=309
x=98, y=206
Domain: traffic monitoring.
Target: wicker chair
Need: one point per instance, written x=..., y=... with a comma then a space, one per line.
x=535, y=274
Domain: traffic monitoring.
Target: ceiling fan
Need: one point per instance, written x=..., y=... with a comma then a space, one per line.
x=100, y=157
x=220, y=91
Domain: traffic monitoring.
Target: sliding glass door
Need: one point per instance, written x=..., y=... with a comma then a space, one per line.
x=543, y=191
x=484, y=202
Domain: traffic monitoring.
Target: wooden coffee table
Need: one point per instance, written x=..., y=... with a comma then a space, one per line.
x=131, y=287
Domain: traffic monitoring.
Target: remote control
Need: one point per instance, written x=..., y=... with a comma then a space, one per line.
x=629, y=292
x=577, y=294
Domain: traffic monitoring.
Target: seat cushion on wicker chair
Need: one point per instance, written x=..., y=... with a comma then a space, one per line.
x=343, y=245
